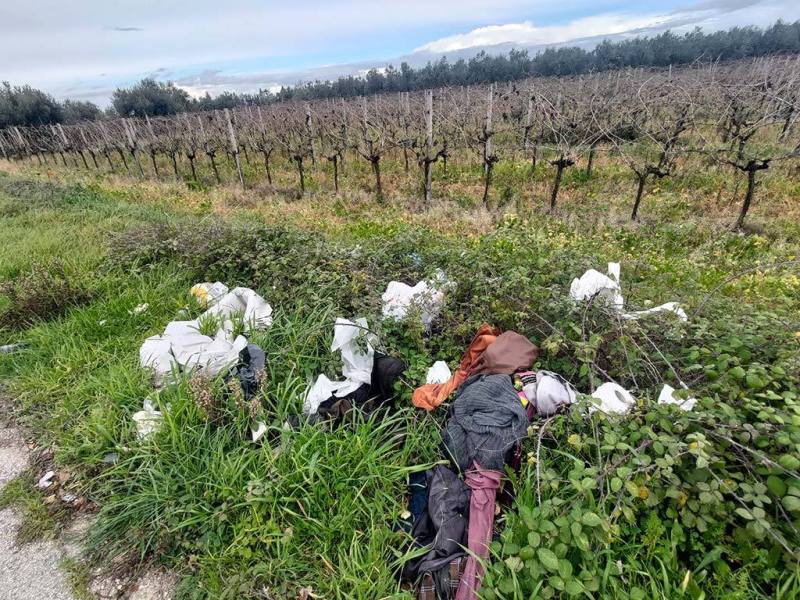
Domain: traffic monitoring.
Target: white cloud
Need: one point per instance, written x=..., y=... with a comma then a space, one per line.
x=86, y=48
x=529, y=34
x=711, y=15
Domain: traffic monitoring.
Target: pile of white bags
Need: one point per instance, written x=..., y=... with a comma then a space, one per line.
x=183, y=347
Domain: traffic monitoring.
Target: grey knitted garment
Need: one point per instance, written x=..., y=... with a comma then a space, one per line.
x=487, y=418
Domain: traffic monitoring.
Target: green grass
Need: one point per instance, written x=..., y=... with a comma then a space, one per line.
x=315, y=507
x=38, y=520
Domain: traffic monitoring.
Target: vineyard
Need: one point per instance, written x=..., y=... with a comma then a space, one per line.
x=740, y=116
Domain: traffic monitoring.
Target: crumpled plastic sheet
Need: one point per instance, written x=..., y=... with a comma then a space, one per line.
x=257, y=312
x=148, y=420
x=666, y=307
x=258, y=431
x=183, y=347
x=593, y=283
x=356, y=362
x=353, y=340
x=438, y=373
x=427, y=295
x=614, y=399
x=667, y=396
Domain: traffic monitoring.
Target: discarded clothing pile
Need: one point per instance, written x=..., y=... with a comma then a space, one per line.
x=593, y=284
x=495, y=396
x=368, y=376
x=183, y=349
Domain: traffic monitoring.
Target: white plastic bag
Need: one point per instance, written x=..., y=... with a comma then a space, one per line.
x=667, y=396
x=258, y=431
x=356, y=363
x=593, y=283
x=438, y=373
x=614, y=399
x=427, y=295
x=148, y=420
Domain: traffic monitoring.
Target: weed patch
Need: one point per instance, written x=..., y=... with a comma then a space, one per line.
x=45, y=292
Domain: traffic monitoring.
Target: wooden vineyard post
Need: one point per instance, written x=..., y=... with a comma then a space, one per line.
x=310, y=134
x=234, y=146
x=152, y=145
x=526, y=143
x=428, y=146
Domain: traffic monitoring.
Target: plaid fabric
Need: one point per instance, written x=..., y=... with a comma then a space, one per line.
x=443, y=584
x=427, y=588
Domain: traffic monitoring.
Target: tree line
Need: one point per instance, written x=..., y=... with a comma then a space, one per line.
x=662, y=50
x=24, y=105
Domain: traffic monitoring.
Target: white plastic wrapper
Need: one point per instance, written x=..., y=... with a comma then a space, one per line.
x=258, y=431
x=148, y=420
x=672, y=307
x=438, y=373
x=614, y=399
x=593, y=283
x=323, y=389
x=427, y=295
x=356, y=362
x=667, y=396
x=352, y=339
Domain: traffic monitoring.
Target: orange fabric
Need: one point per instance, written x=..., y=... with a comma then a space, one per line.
x=431, y=395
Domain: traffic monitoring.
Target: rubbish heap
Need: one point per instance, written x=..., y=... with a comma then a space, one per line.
x=182, y=348
x=494, y=397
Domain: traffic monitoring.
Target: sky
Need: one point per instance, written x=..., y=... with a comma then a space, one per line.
x=84, y=49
